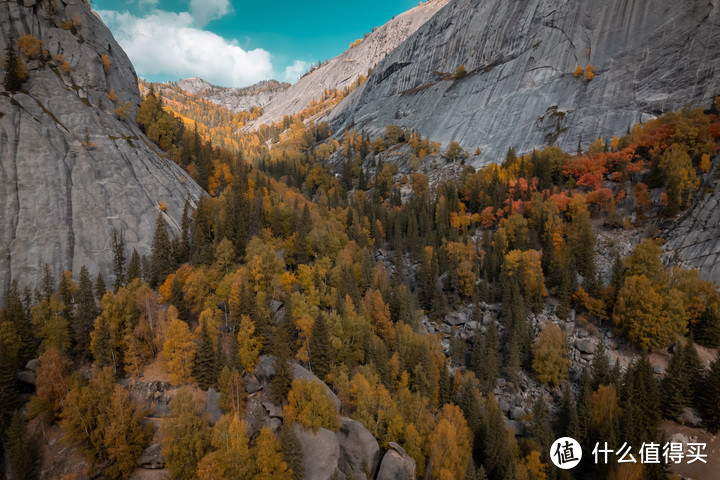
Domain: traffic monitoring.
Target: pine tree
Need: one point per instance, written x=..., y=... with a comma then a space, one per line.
x=566, y=420
x=23, y=454
x=162, y=258
x=15, y=71
x=134, y=269
x=100, y=287
x=182, y=253
x=8, y=385
x=177, y=299
x=495, y=455
x=205, y=364
x=292, y=452
x=86, y=313
x=445, y=386
x=486, y=355
x=600, y=366
x=320, y=352
x=118, y=259
x=102, y=346
x=47, y=285
x=15, y=312
x=709, y=397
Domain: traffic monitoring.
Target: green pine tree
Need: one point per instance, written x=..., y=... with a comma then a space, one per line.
x=205, y=364
x=118, y=259
x=292, y=452
x=709, y=397
x=320, y=349
x=100, y=287
x=23, y=453
x=600, y=366
x=86, y=313
x=134, y=269
x=103, y=348
x=162, y=256
x=15, y=71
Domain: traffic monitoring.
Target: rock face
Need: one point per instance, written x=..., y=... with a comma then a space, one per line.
x=695, y=235
x=343, y=70
x=359, y=451
x=520, y=91
x=321, y=452
x=396, y=464
x=71, y=170
x=234, y=99
x=305, y=374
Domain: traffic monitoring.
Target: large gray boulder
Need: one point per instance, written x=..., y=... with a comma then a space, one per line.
x=359, y=451
x=321, y=452
x=71, y=170
x=305, y=374
x=520, y=91
x=396, y=464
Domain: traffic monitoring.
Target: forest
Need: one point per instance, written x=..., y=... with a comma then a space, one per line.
x=319, y=253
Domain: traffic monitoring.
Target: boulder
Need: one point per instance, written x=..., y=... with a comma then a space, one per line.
x=272, y=410
x=152, y=457
x=456, y=318
x=212, y=407
x=32, y=365
x=300, y=372
x=690, y=418
x=396, y=464
x=265, y=369
x=26, y=376
x=586, y=345
x=359, y=451
x=321, y=452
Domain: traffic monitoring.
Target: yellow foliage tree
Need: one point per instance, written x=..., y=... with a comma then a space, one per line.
x=248, y=343
x=578, y=71
x=550, y=357
x=178, y=351
x=309, y=405
x=268, y=457
x=451, y=442
x=589, y=72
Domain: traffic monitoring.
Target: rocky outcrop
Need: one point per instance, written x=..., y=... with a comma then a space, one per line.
x=396, y=464
x=234, y=99
x=649, y=56
x=341, y=71
x=694, y=237
x=359, y=451
x=321, y=452
x=71, y=169
x=305, y=374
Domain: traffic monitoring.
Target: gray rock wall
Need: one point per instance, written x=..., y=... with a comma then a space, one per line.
x=71, y=170
x=649, y=56
x=343, y=70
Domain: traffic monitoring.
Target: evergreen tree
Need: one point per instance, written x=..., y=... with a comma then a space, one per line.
x=15, y=312
x=709, y=397
x=102, y=346
x=486, y=355
x=205, y=364
x=118, y=259
x=673, y=385
x=566, y=421
x=47, y=285
x=445, y=384
x=600, y=366
x=8, y=386
x=292, y=452
x=134, y=269
x=15, y=70
x=100, y=287
x=320, y=349
x=177, y=299
x=494, y=450
x=162, y=257
x=182, y=253
x=86, y=313
x=23, y=454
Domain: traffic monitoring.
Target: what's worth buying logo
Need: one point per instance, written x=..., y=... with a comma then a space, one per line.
x=566, y=453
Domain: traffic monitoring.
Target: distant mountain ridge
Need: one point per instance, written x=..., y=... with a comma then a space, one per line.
x=234, y=99
x=341, y=71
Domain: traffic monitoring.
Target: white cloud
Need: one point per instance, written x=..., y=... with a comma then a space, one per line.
x=168, y=43
x=293, y=72
x=205, y=11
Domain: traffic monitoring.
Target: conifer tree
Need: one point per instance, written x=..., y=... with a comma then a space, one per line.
x=23, y=454
x=672, y=387
x=600, y=366
x=292, y=452
x=100, y=287
x=205, y=364
x=86, y=313
x=566, y=420
x=135, y=268
x=15, y=70
x=177, y=299
x=102, y=346
x=320, y=352
x=486, y=355
x=162, y=258
x=182, y=253
x=15, y=312
x=187, y=438
x=118, y=259
x=8, y=385
x=496, y=455
x=709, y=397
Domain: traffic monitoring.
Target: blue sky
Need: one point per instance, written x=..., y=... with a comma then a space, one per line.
x=238, y=42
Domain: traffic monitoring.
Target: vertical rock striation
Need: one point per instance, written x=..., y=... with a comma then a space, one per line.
x=71, y=169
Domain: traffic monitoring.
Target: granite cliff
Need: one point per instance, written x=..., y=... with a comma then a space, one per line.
x=341, y=71
x=520, y=90
x=73, y=163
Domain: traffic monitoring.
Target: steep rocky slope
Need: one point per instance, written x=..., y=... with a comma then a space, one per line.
x=72, y=170
x=234, y=99
x=649, y=56
x=695, y=235
x=343, y=70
